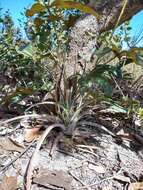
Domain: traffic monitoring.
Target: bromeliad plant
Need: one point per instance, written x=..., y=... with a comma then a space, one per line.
x=47, y=29
x=46, y=55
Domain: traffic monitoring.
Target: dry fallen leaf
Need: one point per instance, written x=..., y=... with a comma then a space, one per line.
x=98, y=169
x=32, y=133
x=53, y=179
x=10, y=145
x=9, y=183
x=124, y=135
x=136, y=186
x=122, y=178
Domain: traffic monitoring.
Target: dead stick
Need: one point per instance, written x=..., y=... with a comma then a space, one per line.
x=76, y=178
x=19, y=156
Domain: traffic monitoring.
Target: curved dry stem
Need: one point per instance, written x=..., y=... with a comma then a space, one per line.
x=43, y=103
x=30, y=167
x=21, y=117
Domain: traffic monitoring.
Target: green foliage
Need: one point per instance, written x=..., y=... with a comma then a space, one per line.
x=74, y=5
x=121, y=44
x=36, y=8
x=40, y=62
x=20, y=62
x=140, y=113
x=47, y=28
x=101, y=75
x=39, y=7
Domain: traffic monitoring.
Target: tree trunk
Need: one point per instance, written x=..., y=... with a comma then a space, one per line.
x=85, y=32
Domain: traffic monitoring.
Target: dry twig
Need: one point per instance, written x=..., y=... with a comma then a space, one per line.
x=83, y=183
x=19, y=156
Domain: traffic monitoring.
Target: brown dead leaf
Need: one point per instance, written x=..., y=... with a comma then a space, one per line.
x=53, y=179
x=130, y=136
x=10, y=145
x=32, y=133
x=136, y=186
x=124, y=135
x=9, y=183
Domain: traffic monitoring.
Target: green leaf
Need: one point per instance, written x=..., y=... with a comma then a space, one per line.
x=1, y=20
x=139, y=58
x=36, y=8
x=101, y=69
x=129, y=28
x=19, y=91
x=140, y=113
x=116, y=109
x=102, y=82
x=28, y=51
x=15, y=99
x=101, y=52
x=74, y=5
x=104, y=85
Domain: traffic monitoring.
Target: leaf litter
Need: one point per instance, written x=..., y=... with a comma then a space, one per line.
x=100, y=154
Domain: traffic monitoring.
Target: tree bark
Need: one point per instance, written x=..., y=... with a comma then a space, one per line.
x=111, y=9
x=86, y=30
